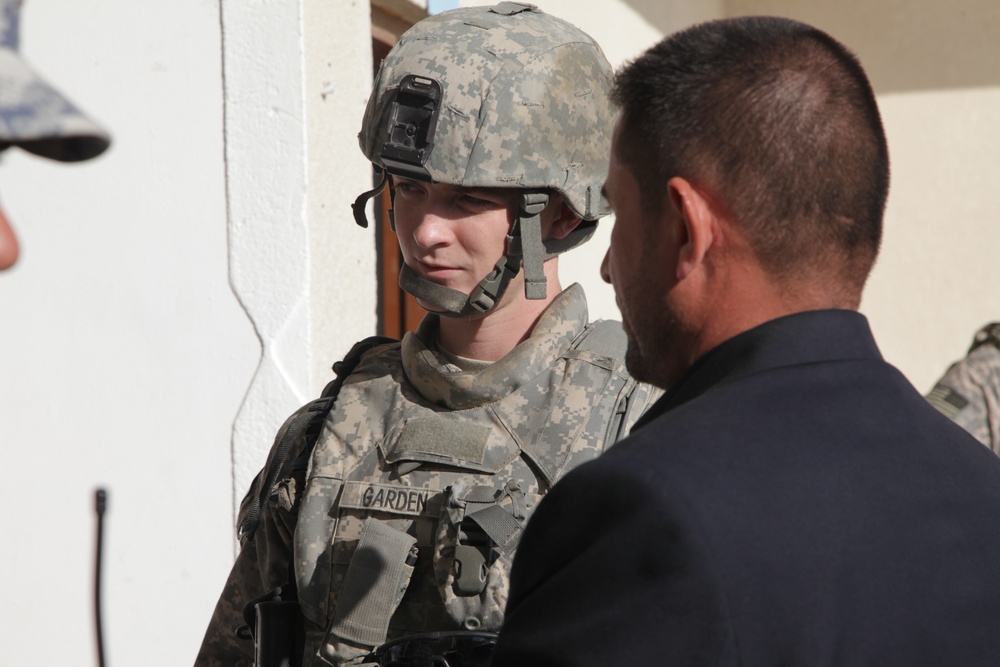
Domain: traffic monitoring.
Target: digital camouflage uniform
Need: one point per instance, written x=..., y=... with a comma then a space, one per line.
x=415, y=443
x=969, y=393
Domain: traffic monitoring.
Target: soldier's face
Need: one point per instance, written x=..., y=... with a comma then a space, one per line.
x=450, y=235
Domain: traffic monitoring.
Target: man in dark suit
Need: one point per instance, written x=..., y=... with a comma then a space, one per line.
x=791, y=500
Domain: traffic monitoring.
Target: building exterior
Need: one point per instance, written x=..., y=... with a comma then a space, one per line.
x=179, y=296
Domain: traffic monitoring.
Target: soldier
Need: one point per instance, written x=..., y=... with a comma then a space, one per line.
x=969, y=393
x=36, y=117
x=491, y=128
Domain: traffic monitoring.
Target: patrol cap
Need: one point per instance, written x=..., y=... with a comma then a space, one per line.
x=33, y=114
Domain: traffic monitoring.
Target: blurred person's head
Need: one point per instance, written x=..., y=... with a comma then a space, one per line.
x=36, y=117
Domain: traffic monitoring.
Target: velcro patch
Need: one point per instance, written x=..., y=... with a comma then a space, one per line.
x=410, y=501
x=444, y=440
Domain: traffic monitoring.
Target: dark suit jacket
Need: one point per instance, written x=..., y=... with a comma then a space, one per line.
x=792, y=501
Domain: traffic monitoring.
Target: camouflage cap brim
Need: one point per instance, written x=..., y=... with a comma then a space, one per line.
x=39, y=119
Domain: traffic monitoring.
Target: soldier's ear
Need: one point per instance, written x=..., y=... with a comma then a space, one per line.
x=565, y=220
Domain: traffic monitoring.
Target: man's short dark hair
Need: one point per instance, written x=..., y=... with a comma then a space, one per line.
x=778, y=121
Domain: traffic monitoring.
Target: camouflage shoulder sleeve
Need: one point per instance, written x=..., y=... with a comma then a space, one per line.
x=261, y=566
x=608, y=336
x=969, y=394
x=643, y=396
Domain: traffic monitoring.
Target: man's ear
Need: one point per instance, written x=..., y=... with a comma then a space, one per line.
x=564, y=223
x=698, y=219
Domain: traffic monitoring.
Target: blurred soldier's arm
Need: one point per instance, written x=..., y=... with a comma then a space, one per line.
x=969, y=393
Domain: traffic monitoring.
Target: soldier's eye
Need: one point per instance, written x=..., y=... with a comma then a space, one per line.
x=476, y=201
x=408, y=187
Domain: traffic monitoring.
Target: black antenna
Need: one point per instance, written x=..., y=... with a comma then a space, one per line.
x=100, y=505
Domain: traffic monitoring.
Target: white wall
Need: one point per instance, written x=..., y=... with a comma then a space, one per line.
x=297, y=80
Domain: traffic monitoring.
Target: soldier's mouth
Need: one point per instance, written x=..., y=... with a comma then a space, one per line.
x=431, y=270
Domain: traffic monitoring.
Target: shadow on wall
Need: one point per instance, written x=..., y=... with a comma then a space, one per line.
x=905, y=45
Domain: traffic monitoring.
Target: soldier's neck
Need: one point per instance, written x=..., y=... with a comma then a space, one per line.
x=490, y=337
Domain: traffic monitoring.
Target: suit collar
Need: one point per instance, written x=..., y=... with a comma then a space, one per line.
x=801, y=338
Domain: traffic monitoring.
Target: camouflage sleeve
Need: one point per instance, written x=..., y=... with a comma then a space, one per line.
x=221, y=646
x=969, y=394
x=261, y=566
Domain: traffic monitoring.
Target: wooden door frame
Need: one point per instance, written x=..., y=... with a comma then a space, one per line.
x=398, y=312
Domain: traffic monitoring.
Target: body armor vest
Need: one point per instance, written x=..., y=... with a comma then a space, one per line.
x=424, y=475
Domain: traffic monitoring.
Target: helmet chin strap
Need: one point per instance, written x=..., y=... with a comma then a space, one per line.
x=524, y=244
x=452, y=303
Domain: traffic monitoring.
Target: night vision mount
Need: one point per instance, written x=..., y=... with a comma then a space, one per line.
x=412, y=120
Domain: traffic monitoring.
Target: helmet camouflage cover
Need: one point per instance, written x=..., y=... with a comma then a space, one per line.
x=502, y=96
x=524, y=102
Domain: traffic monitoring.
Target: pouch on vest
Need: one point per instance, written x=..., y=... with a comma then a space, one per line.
x=377, y=577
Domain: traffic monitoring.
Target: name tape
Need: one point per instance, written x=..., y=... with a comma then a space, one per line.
x=389, y=498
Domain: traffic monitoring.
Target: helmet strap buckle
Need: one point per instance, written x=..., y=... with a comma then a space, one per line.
x=492, y=286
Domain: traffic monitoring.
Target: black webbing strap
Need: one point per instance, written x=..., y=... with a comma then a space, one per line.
x=499, y=526
x=308, y=421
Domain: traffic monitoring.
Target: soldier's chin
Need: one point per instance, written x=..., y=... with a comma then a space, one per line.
x=428, y=306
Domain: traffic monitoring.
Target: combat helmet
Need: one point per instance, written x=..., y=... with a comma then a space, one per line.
x=502, y=96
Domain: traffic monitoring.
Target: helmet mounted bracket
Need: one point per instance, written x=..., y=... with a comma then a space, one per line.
x=412, y=121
